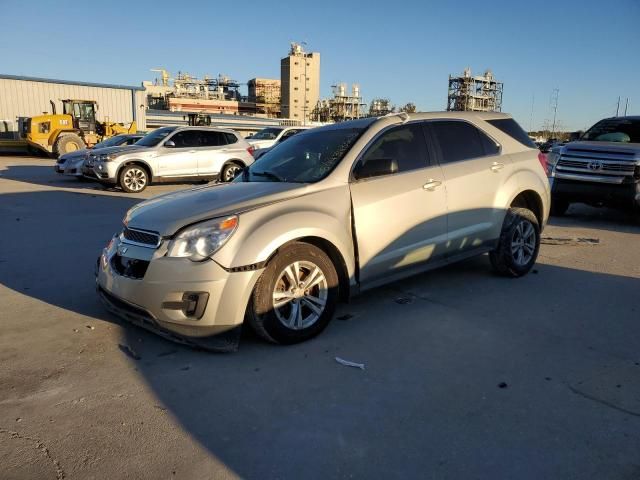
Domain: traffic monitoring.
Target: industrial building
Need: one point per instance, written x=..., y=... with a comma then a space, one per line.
x=300, y=87
x=343, y=106
x=474, y=94
x=22, y=97
x=265, y=93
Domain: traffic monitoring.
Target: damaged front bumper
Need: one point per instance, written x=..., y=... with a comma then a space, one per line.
x=194, y=303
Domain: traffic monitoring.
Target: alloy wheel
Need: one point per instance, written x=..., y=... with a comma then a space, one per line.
x=300, y=295
x=135, y=179
x=231, y=171
x=523, y=243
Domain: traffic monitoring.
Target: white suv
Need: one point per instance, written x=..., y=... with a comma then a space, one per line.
x=171, y=154
x=270, y=136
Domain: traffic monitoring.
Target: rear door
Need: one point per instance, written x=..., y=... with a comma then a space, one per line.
x=400, y=218
x=213, y=152
x=181, y=160
x=474, y=172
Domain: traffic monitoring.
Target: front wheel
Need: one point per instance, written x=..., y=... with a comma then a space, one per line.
x=296, y=295
x=133, y=179
x=519, y=243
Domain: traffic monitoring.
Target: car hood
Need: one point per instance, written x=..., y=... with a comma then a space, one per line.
x=603, y=146
x=168, y=213
x=78, y=154
x=114, y=150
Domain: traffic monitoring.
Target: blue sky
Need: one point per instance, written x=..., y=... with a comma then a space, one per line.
x=402, y=50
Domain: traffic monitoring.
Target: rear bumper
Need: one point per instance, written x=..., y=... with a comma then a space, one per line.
x=624, y=195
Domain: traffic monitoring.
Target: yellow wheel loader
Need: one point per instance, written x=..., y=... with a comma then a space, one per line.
x=74, y=129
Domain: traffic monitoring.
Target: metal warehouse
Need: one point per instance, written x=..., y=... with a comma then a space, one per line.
x=28, y=96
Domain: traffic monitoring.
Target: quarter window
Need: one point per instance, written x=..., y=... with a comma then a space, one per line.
x=231, y=138
x=460, y=141
x=213, y=139
x=405, y=144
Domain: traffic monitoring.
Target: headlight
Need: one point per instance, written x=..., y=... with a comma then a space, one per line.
x=202, y=240
x=103, y=157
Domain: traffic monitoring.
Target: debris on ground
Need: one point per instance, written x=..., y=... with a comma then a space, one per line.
x=347, y=316
x=130, y=352
x=348, y=363
x=403, y=300
x=75, y=330
x=502, y=385
x=569, y=241
x=91, y=327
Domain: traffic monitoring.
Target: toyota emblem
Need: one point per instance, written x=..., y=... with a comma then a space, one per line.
x=596, y=165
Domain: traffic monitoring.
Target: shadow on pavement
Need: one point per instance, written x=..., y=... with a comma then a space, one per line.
x=437, y=348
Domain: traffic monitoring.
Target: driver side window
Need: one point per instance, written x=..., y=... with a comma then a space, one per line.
x=404, y=147
x=186, y=139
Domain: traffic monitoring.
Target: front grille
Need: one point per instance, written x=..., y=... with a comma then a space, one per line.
x=141, y=237
x=614, y=163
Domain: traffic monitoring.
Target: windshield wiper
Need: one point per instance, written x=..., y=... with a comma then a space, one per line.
x=268, y=174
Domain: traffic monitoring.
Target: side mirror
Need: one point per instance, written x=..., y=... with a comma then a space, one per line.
x=376, y=167
x=170, y=144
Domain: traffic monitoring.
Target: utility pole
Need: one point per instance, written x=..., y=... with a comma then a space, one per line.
x=533, y=99
x=304, y=105
x=554, y=100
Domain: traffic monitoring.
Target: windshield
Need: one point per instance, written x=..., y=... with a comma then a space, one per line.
x=154, y=138
x=110, y=142
x=624, y=130
x=267, y=134
x=304, y=158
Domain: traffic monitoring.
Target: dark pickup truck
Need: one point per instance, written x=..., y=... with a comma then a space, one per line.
x=601, y=168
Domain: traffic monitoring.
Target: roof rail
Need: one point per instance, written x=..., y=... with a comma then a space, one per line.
x=404, y=116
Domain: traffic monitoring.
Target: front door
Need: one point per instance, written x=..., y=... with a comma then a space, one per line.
x=475, y=172
x=400, y=218
x=180, y=160
x=212, y=154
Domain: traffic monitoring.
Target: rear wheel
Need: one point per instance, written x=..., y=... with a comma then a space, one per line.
x=133, y=179
x=69, y=142
x=519, y=244
x=296, y=295
x=230, y=171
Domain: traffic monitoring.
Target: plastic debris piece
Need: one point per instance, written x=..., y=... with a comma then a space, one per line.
x=502, y=385
x=130, y=352
x=346, y=316
x=348, y=363
x=403, y=300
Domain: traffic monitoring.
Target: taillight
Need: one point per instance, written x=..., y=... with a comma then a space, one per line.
x=542, y=158
x=251, y=150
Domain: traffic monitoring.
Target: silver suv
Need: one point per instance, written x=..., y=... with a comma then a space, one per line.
x=327, y=214
x=171, y=154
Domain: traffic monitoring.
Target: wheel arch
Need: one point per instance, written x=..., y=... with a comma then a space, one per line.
x=135, y=161
x=531, y=200
x=334, y=255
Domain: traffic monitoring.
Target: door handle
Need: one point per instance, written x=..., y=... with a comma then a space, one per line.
x=496, y=167
x=432, y=184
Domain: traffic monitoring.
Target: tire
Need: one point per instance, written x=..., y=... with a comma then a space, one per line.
x=230, y=171
x=508, y=258
x=68, y=142
x=133, y=178
x=281, y=324
x=559, y=206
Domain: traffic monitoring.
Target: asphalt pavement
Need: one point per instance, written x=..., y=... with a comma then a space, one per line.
x=467, y=375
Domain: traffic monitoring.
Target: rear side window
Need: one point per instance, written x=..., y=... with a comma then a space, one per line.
x=186, y=138
x=405, y=144
x=231, y=138
x=511, y=128
x=213, y=139
x=458, y=140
